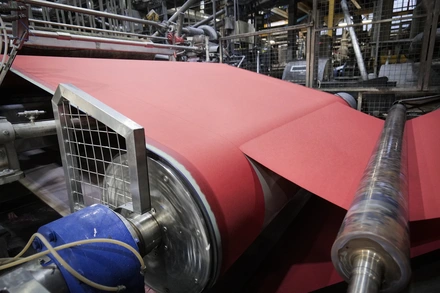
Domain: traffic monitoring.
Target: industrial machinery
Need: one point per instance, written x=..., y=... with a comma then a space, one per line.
x=189, y=221
x=107, y=30
x=170, y=177
x=372, y=248
x=181, y=223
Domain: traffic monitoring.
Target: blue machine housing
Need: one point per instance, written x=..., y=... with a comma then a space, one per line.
x=104, y=263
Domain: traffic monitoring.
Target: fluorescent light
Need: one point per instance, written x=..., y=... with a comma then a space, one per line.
x=342, y=24
x=366, y=21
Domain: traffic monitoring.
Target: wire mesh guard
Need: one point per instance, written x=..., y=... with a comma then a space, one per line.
x=99, y=173
x=97, y=161
x=389, y=42
x=351, y=44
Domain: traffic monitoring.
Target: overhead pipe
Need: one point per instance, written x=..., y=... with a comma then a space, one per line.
x=210, y=18
x=354, y=41
x=182, y=9
x=214, y=13
x=372, y=248
x=209, y=31
x=192, y=31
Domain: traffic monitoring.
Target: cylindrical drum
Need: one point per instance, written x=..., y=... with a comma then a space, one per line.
x=372, y=248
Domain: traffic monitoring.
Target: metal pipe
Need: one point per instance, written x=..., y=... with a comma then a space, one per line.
x=375, y=228
x=376, y=34
x=266, y=31
x=206, y=48
x=91, y=29
x=148, y=231
x=36, y=129
x=258, y=61
x=67, y=36
x=192, y=31
x=207, y=20
x=354, y=41
x=331, y=13
x=34, y=277
x=182, y=9
x=214, y=13
x=179, y=25
x=92, y=12
x=388, y=20
x=367, y=273
x=209, y=31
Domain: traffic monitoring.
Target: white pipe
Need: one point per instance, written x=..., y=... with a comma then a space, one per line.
x=354, y=41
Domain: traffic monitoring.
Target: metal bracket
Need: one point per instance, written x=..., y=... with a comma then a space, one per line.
x=31, y=115
x=9, y=165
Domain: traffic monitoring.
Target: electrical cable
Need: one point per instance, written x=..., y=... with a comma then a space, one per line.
x=10, y=262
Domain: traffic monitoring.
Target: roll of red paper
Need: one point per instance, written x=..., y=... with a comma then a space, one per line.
x=210, y=117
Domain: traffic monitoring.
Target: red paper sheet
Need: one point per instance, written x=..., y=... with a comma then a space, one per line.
x=199, y=114
x=423, y=136
x=327, y=151
x=207, y=115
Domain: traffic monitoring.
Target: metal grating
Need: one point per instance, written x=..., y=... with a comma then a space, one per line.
x=269, y=52
x=101, y=165
x=381, y=49
x=377, y=104
x=96, y=151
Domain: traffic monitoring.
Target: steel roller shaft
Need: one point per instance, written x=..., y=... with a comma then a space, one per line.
x=371, y=250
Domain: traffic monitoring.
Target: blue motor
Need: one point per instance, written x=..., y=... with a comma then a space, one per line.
x=106, y=264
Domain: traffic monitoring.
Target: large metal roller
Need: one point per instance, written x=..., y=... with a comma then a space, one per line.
x=372, y=249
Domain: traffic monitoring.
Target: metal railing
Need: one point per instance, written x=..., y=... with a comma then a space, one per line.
x=376, y=50
x=109, y=24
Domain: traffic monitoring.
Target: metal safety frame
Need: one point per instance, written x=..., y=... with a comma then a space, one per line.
x=129, y=130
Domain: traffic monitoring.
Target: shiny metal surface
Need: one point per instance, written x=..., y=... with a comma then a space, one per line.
x=354, y=41
x=184, y=259
x=89, y=148
x=143, y=227
x=34, y=277
x=377, y=220
x=91, y=12
x=148, y=230
x=182, y=9
x=367, y=272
